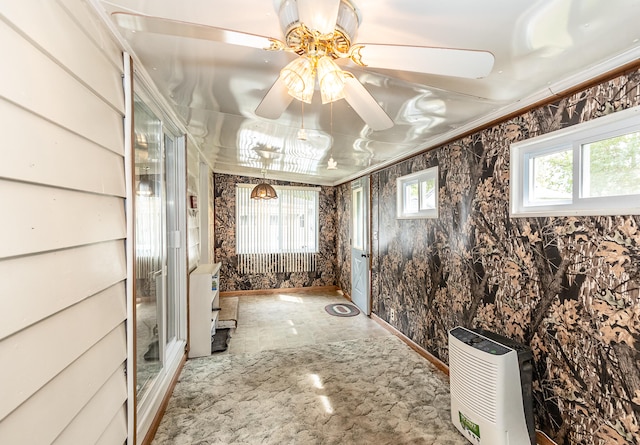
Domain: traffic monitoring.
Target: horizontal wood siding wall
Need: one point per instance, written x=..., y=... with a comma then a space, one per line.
x=62, y=243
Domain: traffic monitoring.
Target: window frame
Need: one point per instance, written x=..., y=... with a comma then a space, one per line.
x=417, y=178
x=572, y=138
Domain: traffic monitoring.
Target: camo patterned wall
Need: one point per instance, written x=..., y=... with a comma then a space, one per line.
x=568, y=286
x=343, y=242
x=225, y=241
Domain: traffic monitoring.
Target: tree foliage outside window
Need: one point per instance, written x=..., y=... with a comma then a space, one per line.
x=418, y=194
x=591, y=168
x=553, y=176
x=612, y=166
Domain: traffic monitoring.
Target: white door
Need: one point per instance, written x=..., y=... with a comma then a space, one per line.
x=360, y=251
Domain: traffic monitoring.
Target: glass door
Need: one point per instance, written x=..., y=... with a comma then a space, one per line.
x=176, y=239
x=160, y=257
x=150, y=261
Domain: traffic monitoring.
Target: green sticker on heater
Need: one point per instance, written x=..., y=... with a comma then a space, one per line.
x=468, y=425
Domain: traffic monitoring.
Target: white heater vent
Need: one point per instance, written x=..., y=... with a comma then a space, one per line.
x=488, y=379
x=478, y=388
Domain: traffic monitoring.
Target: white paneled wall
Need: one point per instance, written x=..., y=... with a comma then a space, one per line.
x=63, y=227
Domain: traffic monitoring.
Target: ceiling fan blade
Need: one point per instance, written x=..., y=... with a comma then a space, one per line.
x=275, y=101
x=157, y=25
x=319, y=15
x=365, y=105
x=423, y=59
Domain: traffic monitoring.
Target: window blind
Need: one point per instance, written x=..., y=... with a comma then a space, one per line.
x=277, y=235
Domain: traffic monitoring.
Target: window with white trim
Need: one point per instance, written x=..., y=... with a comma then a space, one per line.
x=277, y=235
x=587, y=169
x=417, y=195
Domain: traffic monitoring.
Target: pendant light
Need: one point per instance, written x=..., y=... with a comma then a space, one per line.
x=263, y=190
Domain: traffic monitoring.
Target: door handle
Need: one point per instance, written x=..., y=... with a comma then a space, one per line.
x=365, y=255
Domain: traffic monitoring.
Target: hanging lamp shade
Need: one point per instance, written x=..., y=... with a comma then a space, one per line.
x=144, y=187
x=263, y=191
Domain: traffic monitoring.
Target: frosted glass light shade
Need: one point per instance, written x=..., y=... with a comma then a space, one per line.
x=330, y=79
x=348, y=19
x=288, y=15
x=298, y=77
x=319, y=15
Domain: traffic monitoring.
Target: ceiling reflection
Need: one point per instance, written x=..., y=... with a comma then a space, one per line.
x=272, y=146
x=214, y=88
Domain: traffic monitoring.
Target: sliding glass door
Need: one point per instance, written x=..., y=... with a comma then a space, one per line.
x=151, y=263
x=160, y=256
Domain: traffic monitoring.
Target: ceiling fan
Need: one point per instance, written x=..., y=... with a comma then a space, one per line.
x=321, y=33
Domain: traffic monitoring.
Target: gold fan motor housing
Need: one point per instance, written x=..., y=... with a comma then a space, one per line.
x=302, y=40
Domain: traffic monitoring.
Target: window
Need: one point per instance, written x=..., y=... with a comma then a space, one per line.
x=277, y=235
x=587, y=169
x=418, y=194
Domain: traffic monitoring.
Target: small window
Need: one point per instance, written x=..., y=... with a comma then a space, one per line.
x=587, y=169
x=418, y=194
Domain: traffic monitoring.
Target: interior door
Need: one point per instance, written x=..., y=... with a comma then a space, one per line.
x=360, y=249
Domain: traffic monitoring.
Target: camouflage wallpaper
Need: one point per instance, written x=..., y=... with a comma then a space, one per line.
x=225, y=241
x=567, y=286
x=343, y=241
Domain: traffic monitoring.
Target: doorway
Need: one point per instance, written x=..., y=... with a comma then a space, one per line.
x=360, y=245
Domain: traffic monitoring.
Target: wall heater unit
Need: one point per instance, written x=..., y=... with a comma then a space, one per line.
x=491, y=378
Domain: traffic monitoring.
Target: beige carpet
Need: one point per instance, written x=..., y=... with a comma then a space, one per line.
x=363, y=391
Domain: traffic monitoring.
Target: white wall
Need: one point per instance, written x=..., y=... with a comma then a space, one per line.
x=62, y=250
x=194, y=215
x=211, y=216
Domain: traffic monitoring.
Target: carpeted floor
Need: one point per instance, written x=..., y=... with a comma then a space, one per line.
x=363, y=391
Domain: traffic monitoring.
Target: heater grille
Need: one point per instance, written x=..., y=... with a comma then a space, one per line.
x=475, y=381
x=491, y=381
x=250, y=263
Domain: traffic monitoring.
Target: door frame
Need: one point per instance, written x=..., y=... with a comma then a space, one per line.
x=141, y=412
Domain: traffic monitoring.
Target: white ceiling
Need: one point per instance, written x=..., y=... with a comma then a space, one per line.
x=541, y=48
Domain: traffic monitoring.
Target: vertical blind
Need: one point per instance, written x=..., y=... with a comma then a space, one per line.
x=148, y=236
x=277, y=235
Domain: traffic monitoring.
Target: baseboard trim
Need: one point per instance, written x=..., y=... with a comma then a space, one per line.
x=541, y=438
x=240, y=293
x=435, y=361
x=148, y=438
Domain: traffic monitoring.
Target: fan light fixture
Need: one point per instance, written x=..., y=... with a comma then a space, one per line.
x=263, y=190
x=312, y=34
x=317, y=29
x=330, y=80
x=299, y=76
